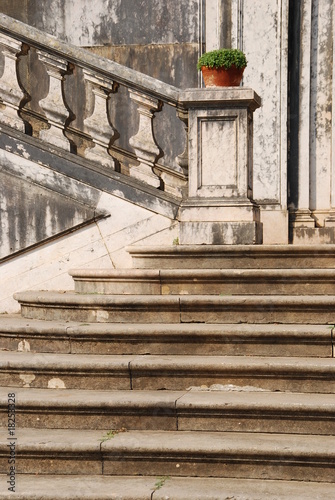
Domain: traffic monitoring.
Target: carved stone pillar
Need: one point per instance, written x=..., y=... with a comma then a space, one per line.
x=97, y=125
x=11, y=92
x=302, y=216
x=220, y=208
x=53, y=104
x=144, y=143
x=312, y=215
x=330, y=220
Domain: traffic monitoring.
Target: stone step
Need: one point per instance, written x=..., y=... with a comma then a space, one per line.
x=223, y=408
x=99, y=487
x=233, y=256
x=159, y=453
x=17, y=333
x=150, y=372
x=205, y=281
x=69, y=306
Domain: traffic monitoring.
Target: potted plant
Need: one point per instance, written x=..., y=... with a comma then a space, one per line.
x=222, y=67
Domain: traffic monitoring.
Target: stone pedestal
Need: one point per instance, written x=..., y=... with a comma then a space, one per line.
x=219, y=208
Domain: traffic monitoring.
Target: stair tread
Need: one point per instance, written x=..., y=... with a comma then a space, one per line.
x=314, y=309
x=72, y=298
x=16, y=324
x=227, y=256
x=314, y=250
x=224, y=399
x=190, y=443
x=36, y=360
x=193, y=274
x=18, y=360
x=204, y=281
x=98, y=487
x=46, y=398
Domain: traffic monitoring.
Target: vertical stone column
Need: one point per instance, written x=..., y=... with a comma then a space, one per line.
x=302, y=216
x=144, y=143
x=11, y=93
x=330, y=220
x=322, y=109
x=223, y=28
x=220, y=208
x=53, y=104
x=312, y=217
x=260, y=29
x=212, y=14
x=97, y=125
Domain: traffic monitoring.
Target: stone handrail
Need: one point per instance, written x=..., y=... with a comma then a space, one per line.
x=65, y=95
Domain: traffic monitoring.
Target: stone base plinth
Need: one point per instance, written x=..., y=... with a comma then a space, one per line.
x=220, y=233
x=275, y=226
x=313, y=236
x=220, y=222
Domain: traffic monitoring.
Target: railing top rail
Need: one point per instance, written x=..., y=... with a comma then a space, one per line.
x=125, y=76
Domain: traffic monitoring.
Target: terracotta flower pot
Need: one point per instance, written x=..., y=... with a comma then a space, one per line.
x=221, y=77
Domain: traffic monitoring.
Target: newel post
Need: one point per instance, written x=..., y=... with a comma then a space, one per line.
x=220, y=208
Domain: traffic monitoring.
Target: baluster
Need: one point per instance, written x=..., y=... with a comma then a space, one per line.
x=144, y=143
x=98, y=126
x=11, y=92
x=30, y=111
x=53, y=104
x=182, y=159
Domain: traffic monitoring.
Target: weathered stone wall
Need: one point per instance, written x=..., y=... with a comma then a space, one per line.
x=125, y=30
x=52, y=221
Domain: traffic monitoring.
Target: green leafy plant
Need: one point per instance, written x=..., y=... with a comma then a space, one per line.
x=160, y=482
x=223, y=58
x=110, y=434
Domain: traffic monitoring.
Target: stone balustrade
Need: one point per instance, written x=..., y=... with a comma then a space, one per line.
x=73, y=100
x=68, y=97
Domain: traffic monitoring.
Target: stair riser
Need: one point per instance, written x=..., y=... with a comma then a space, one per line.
x=298, y=424
x=121, y=463
x=236, y=467
x=187, y=313
x=277, y=262
x=225, y=287
x=42, y=462
x=176, y=345
x=156, y=419
x=168, y=420
x=32, y=342
x=273, y=382
x=171, y=380
x=252, y=257
x=61, y=380
x=224, y=468
x=104, y=315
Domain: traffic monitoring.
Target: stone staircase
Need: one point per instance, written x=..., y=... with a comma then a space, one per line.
x=201, y=373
